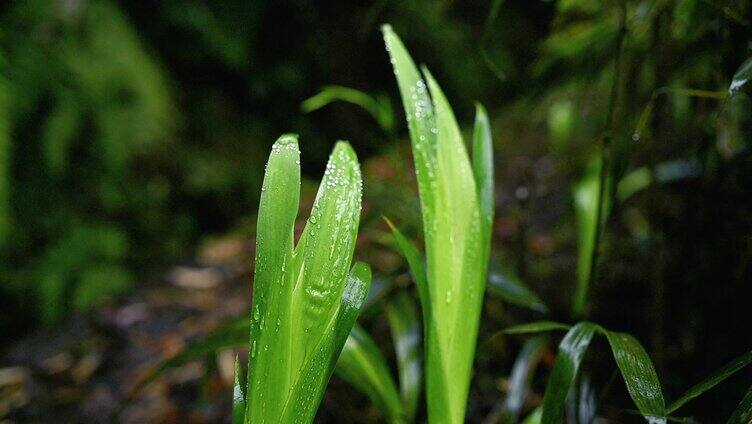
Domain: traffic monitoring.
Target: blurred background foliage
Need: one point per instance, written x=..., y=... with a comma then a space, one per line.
x=131, y=131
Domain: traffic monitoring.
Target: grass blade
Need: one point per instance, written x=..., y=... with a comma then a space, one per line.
x=483, y=169
x=238, y=395
x=571, y=351
x=639, y=375
x=713, y=380
x=455, y=237
x=405, y=326
x=743, y=412
x=537, y=327
x=416, y=262
x=586, y=194
x=741, y=77
x=519, y=379
x=362, y=365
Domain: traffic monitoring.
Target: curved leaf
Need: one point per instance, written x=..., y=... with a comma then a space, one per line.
x=405, y=326
x=379, y=108
x=571, y=351
x=743, y=412
x=639, y=375
x=362, y=365
x=713, y=380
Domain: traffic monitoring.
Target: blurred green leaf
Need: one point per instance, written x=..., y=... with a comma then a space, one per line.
x=522, y=374
x=713, y=380
x=506, y=285
x=536, y=327
x=362, y=365
x=405, y=326
x=586, y=201
x=455, y=234
x=743, y=412
x=380, y=108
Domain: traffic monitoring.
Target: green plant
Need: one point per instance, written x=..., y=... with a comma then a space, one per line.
x=457, y=206
x=304, y=301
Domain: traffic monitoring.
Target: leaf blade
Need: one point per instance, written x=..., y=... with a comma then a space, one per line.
x=363, y=366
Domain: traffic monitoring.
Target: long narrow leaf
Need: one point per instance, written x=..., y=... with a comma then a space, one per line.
x=713, y=380
x=586, y=202
x=639, y=375
x=405, y=326
x=536, y=327
x=743, y=412
x=455, y=236
x=483, y=169
x=362, y=365
x=571, y=352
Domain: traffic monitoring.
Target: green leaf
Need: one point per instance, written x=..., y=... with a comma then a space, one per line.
x=534, y=417
x=536, y=327
x=506, y=285
x=586, y=200
x=300, y=295
x=238, y=395
x=405, y=325
x=571, y=351
x=362, y=365
x=483, y=170
x=521, y=376
x=713, y=380
x=380, y=108
x=456, y=238
x=743, y=412
x=309, y=385
x=639, y=375
x=416, y=262
x=633, y=362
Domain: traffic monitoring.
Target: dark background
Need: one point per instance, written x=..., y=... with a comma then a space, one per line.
x=134, y=134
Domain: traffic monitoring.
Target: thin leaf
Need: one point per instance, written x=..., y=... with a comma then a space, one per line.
x=713, y=380
x=521, y=376
x=309, y=385
x=534, y=417
x=416, y=262
x=743, y=412
x=379, y=108
x=571, y=351
x=362, y=365
x=483, y=169
x=586, y=200
x=639, y=375
x=238, y=395
x=454, y=236
x=537, y=327
x=506, y=285
x=405, y=325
